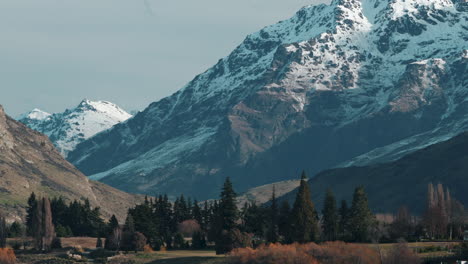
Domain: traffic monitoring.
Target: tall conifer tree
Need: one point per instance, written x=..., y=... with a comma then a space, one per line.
x=304, y=223
x=361, y=217
x=273, y=232
x=228, y=207
x=330, y=217
x=343, y=221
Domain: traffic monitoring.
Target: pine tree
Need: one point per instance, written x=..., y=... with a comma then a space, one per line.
x=284, y=222
x=304, y=223
x=343, y=221
x=197, y=213
x=129, y=224
x=30, y=210
x=330, y=217
x=228, y=216
x=206, y=213
x=228, y=207
x=16, y=229
x=273, y=231
x=113, y=223
x=361, y=217
x=3, y=232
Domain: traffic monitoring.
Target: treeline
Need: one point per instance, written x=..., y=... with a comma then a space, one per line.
x=73, y=219
x=159, y=222
x=221, y=222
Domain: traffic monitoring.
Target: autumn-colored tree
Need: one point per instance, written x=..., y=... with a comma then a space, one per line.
x=439, y=212
x=44, y=231
x=188, y=227
x=304, y=220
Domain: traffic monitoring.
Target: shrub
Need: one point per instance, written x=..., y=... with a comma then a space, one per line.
x=16, y=245
x=401, y=254
x=54, y=261
x=99, y=243
x=148, y=249
x=342, y=253
x=7, y=256
x=327, y=253
x=101, y=253
x=56, y=243
x=271, y=254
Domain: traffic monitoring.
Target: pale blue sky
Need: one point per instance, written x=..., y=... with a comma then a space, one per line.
x=53, y=53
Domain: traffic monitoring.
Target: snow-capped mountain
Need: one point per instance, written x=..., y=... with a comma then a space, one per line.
x=73, y=126
x=332, y=83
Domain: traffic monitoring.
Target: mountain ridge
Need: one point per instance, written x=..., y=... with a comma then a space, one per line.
x=402, y=182
x=29, y=162
x=317, y=90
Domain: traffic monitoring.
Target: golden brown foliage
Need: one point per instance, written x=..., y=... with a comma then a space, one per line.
x=148, y=249
x=311, y=253
x=272, y=254
x=7, y=256
x=401, y=254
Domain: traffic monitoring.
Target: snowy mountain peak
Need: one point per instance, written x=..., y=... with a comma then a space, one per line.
x=342, y=79
x=36, y=114
x=104, y=107
x=68, y=129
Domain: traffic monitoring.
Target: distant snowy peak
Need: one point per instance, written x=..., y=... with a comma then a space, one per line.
x=35, y=114
x=68, y=129
x=104, y=107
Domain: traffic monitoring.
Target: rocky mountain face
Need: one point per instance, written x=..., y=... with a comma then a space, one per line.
x=29, y=163
x=402, y=182
x=335, y=84
x=68, y=129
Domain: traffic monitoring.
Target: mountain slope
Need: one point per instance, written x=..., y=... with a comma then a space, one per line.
x=30, y=163
x=68, y=129
x=402, y=182
x=330, y=84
